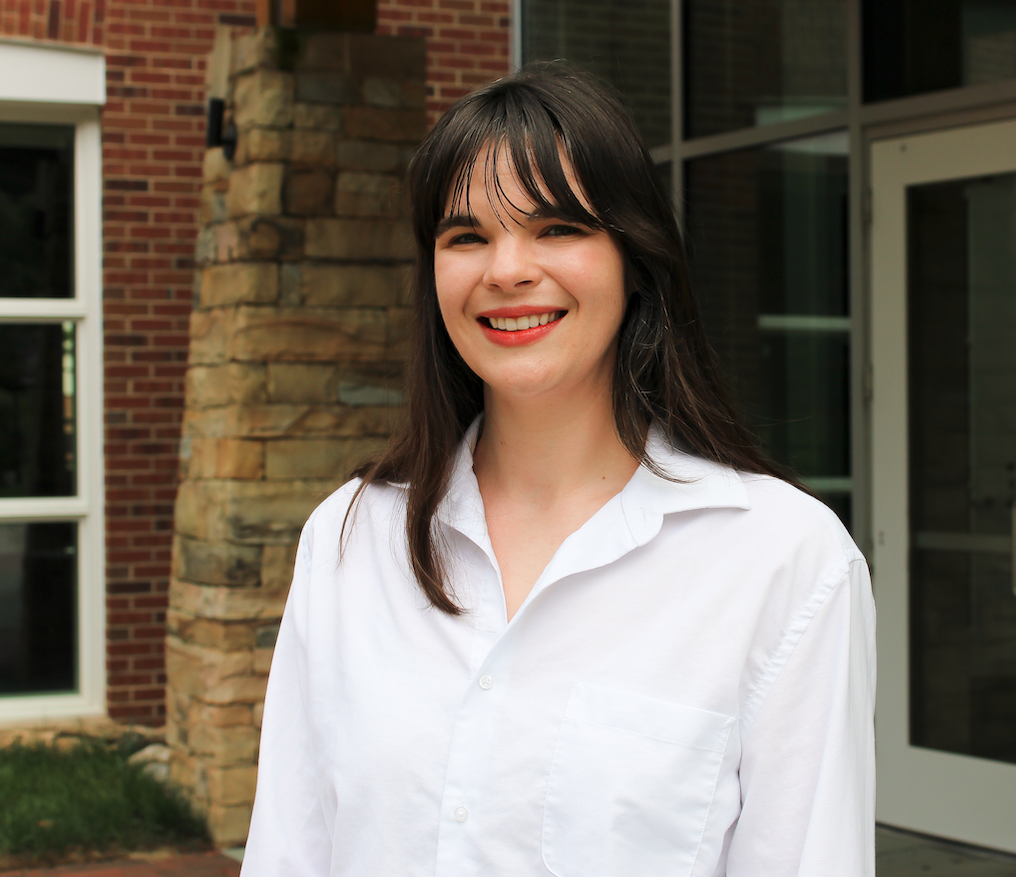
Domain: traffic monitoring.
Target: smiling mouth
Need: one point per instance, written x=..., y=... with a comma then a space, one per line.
x=516, y=324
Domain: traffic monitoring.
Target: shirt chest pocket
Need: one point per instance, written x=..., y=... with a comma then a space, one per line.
x=630, y=785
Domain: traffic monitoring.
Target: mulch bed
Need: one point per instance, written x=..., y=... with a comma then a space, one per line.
x=155, y=864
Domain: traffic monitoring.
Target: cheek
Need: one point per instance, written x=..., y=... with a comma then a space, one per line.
x=605, y=277
x=450, y=302
x=451, y=282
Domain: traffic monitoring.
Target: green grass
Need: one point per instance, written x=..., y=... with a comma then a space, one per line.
x=87, y=798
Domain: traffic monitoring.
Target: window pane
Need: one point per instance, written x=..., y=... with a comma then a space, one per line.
x=37, y=406
x=768, y=245
x=962, y=436
x=761, y=62
x=36, y=174
x=917, y=46
x=38, y=584
x=666, y=171
x=626, y=42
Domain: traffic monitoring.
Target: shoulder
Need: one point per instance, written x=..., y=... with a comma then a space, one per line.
x=772, y=545
x=796, y=542
x=357, y=528
x=802, y=552
x=354, y=504
x=759, y=518
x=790, y=517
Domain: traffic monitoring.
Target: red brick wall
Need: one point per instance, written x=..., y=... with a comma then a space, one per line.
x=153, y=147
x=64, y=20
x=153, y=135
x=467, y=43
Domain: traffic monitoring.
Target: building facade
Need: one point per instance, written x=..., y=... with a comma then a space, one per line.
x=846, y=174
x=845, y=171
x=102, y=144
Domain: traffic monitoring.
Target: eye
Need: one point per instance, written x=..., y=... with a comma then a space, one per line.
x=469, y=237
x=561, y=231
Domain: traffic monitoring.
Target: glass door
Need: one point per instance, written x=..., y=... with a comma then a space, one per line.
x=943, y=256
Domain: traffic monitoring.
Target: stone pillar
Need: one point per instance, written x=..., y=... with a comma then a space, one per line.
x=297, y=343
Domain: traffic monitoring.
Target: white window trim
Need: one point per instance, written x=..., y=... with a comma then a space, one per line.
x=56, y=85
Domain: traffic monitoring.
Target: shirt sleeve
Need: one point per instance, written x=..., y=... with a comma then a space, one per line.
x=808, y=759
x=289, y=833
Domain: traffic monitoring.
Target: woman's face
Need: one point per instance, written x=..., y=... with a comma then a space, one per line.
x=532, y=303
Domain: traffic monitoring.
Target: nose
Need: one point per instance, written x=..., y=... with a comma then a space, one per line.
x=511, y=264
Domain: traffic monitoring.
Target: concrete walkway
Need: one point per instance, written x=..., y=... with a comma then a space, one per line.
x=901, y=854
x=158, y=864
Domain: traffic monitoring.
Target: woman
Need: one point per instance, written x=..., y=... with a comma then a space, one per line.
x=577, y=624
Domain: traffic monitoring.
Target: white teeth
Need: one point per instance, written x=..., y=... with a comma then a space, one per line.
x=531, y=321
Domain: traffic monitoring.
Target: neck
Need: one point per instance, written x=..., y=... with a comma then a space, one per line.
x=548, y=451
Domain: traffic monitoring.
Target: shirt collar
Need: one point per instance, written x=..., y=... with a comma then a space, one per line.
x=700, y=484
x=462, y=507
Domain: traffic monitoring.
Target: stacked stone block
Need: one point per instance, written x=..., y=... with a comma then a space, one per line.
x=297, y=341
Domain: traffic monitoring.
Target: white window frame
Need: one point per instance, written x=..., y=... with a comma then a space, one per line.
x=55, y=85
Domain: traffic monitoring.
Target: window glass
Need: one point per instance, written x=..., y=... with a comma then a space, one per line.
x=768, y=248
x=763, y=61
x=38, y=568
x=37, y=409
x=36, y=167
x=962, y=454
x=917, y=46
x=626, y=42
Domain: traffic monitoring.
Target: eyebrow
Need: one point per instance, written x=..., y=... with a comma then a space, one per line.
x=456, y=220
x=467, y=220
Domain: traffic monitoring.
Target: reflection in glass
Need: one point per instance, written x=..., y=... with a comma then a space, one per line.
x=917, y=46
x=768, y=249
x=38, y=614
x=666, y=171
x=36, y=173
x=750, y=64
x=962, y=387
x=37, y=409
x=626, y=42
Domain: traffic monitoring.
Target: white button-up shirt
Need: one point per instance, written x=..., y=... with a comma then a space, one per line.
x=687, y=691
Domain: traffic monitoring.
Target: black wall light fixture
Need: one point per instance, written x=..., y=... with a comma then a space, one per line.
x=216, y=132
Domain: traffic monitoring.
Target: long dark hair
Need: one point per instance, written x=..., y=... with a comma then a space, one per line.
x=665, y=372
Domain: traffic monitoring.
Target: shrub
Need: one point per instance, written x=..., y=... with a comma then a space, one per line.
x=89, y=798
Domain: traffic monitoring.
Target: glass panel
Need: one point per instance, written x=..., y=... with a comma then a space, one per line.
x=917, y=46
x=757, y=63
x=36, y=174
x=666, y=171
x=768, y=247
x=962, y=373
x=626, y=42
x=37, y=410
x=38, y=584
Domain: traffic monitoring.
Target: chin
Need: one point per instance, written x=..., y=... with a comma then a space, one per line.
x=530, y=386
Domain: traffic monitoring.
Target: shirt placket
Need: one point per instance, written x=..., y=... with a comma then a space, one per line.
x=463, y=822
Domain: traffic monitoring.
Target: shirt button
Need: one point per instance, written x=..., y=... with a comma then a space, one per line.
x=461, y=814
x=486, y=682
